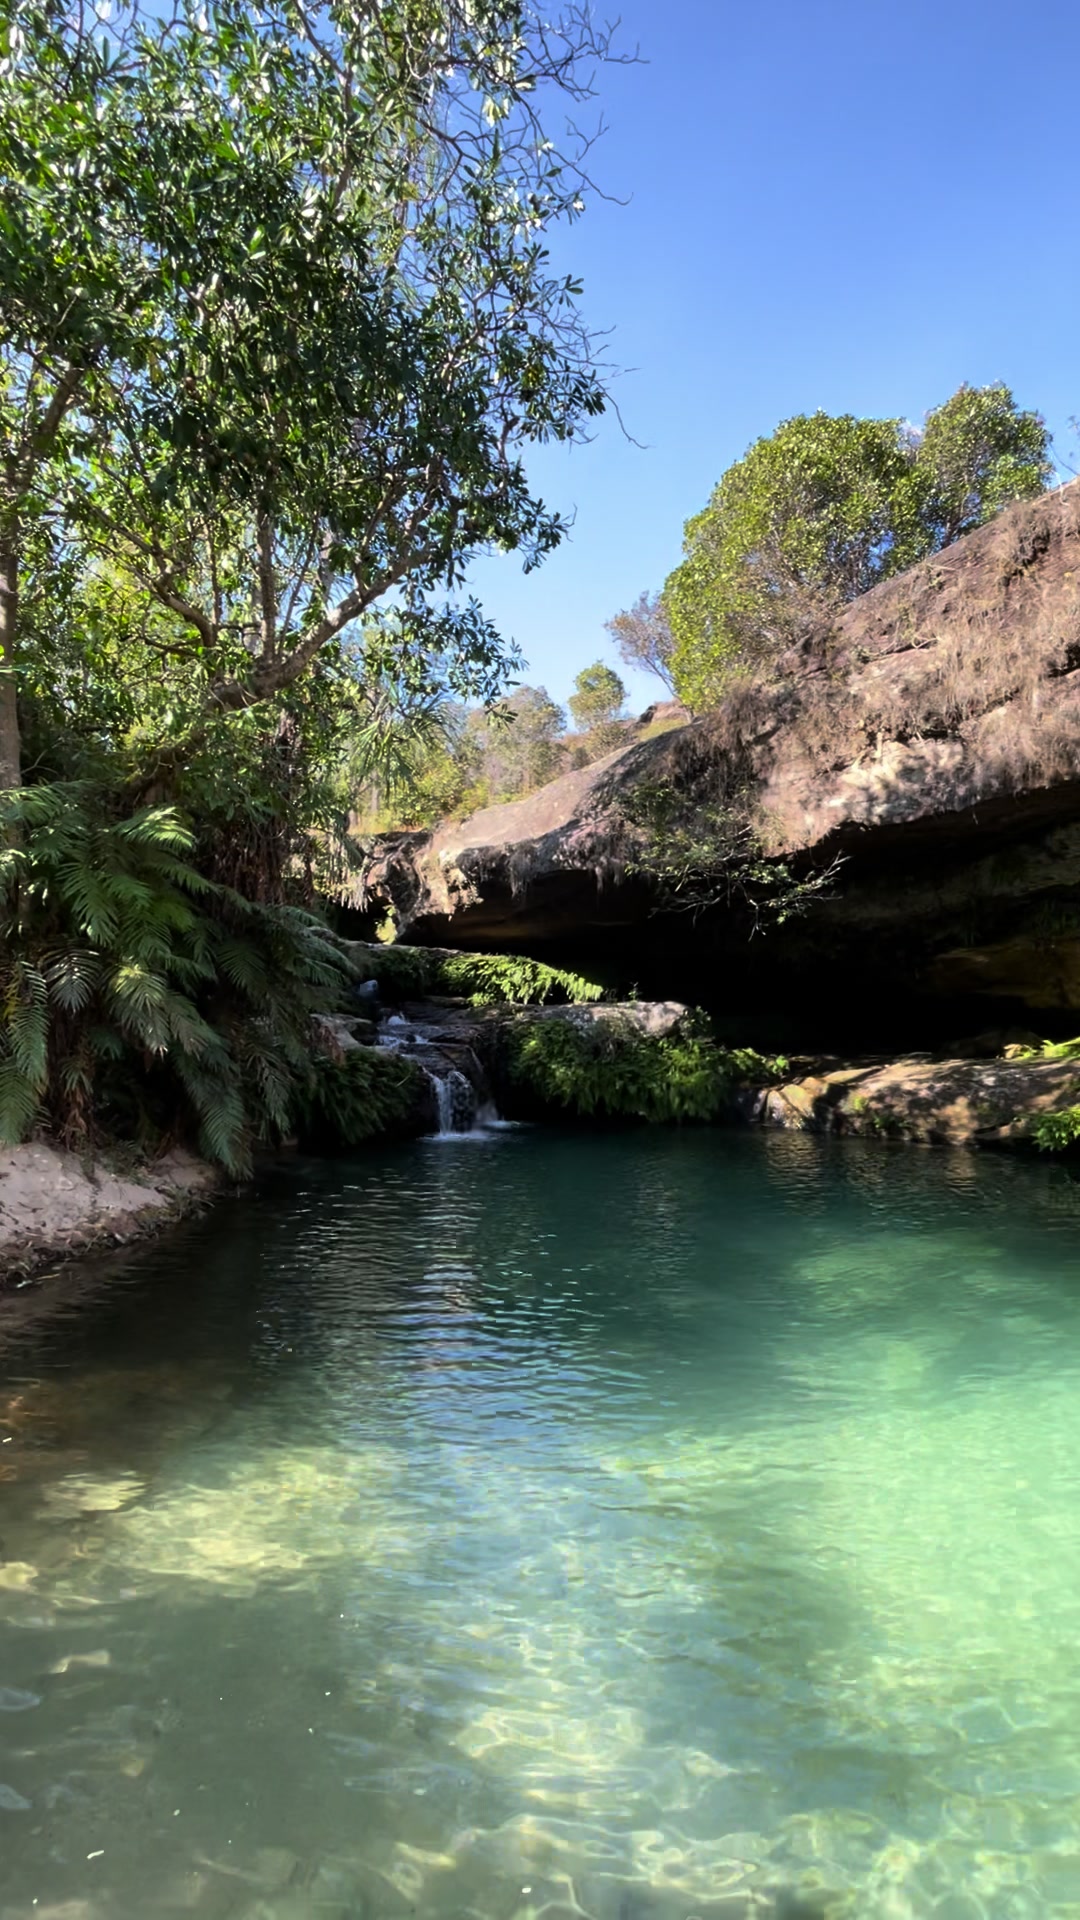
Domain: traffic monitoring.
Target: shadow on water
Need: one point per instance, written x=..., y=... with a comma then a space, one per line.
x=639, y=1526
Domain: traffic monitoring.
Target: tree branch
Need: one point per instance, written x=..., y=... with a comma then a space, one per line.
x=267, y=590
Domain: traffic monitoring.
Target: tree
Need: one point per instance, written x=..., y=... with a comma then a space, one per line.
x=518, y=743
x=799, y=525
x=597, y=704
x=73, y=292
x=322, y=331
x=977, y=453
x=824, y=508
x=644, y=638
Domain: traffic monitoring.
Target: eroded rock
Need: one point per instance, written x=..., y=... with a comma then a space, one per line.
x=941, y=1102
x=931, y=742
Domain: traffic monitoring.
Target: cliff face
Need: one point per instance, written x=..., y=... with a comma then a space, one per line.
x=931, y=741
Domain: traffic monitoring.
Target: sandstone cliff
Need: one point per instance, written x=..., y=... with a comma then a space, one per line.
x=931, y=741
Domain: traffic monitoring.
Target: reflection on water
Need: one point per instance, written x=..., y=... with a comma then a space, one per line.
x=633, y=1528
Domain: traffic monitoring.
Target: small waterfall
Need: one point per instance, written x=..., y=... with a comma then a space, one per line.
x=455, y=1101
x=463, y=1103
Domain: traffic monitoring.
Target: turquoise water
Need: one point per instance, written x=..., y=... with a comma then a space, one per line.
x=639, y=1528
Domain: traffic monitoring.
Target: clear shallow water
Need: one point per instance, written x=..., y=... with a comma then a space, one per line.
x=636, y=1528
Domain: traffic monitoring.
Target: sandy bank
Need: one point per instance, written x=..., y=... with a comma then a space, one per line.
x=53, y=1204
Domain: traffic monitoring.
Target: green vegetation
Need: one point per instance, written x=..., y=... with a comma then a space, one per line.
x=366, y=1094
x=1055, y=1132
x=491, y=980
x=598, y=705
x=485, y=979
x=141, y=998
x=824, y=508
x=1048, y=1050
x=513, y=748
x=278, y=326
x=609, y=1066
x=469, y=759
x=699, y=847
x=1058, y=1131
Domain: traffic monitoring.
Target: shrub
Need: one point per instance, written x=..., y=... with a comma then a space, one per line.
x=1054, y=1132
x=344, y=1102
x=485, y=979
x=611, y=1067
x=138, y=996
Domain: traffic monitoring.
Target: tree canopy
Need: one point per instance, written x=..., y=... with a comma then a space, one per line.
x=598, y=699
x=278, y=324
x=824, y=508
x=278, y=332
x=644, y=638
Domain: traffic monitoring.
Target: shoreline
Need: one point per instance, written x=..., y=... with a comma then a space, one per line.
x=58, y=1206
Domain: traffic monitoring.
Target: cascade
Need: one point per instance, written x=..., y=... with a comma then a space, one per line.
x=455, y=1100
x=463, y=1102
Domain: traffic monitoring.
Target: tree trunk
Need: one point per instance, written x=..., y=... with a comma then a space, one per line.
x=10, y=754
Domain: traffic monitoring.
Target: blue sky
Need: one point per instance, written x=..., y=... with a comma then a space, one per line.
x=844, y=204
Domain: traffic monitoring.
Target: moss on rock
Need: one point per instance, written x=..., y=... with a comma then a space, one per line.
x=605, y=1064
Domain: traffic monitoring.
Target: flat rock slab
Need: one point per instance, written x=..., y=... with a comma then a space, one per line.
x=955, y=1102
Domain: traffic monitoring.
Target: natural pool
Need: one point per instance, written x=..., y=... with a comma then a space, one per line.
x=636, y=1527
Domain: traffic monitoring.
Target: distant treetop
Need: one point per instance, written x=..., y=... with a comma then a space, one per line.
x=819, y=512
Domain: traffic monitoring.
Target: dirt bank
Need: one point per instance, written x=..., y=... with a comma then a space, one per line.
x=53, y=1204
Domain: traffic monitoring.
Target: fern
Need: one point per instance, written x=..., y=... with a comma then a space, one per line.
x=485, y=979
x=134, y=991
x=610, y=1067
x=495, y=979
x=345, y=1102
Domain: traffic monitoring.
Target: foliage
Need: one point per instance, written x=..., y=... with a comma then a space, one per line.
x=976, y=454
x=597, y=704
x=476, y=758
x=800, y=524
x=1055, y=1132
x=368, y=1092
x=644, y=638
x=1048, y=1050
x=516, y=745
x=136, y=991
x=609, y=1066
x=700, y=850
x=824, y=508
x=403, y=973
x=278, y=324
x=511, y=980
x=278, y=330
x=486, y=979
